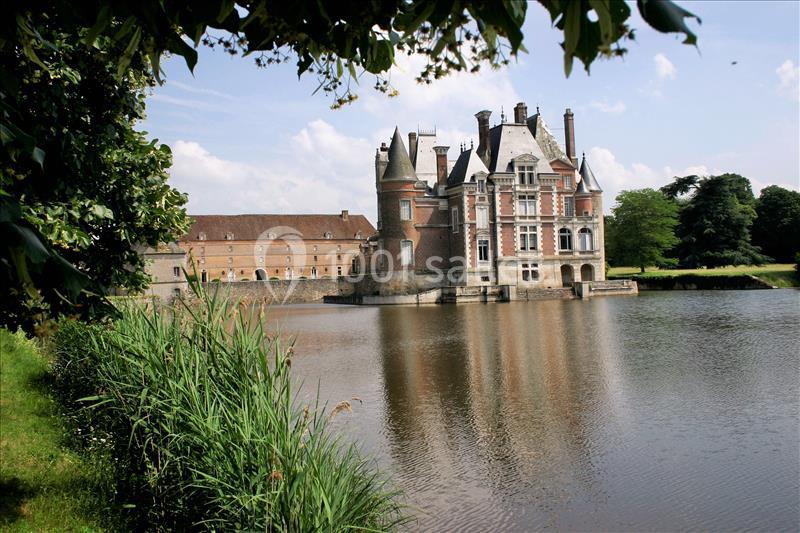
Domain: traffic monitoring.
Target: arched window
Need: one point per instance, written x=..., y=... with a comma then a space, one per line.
x=564, y=239
x=585, y=240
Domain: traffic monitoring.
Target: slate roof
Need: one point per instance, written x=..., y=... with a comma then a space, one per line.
x=547, y=141
x=582, y=188
x=467, y=164
x=254, y=227
x=399, y=167
x=509, y=141
x=588, y=176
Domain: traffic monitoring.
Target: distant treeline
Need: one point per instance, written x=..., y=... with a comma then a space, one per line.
x=709, y=222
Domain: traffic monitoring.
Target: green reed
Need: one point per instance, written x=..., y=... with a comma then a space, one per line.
x=200, y=401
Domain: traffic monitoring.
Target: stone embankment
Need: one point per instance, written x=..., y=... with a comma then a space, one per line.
x=283, y=291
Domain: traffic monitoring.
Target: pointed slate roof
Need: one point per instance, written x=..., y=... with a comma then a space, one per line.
x=468, y=164
x=399, y=167
x=541, y=132
x=582, y=188
x=588, y=176
x=509, y=141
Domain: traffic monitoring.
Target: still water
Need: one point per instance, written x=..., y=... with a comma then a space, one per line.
x=663, y=411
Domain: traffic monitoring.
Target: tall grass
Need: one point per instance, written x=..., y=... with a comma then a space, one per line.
x=201, y=401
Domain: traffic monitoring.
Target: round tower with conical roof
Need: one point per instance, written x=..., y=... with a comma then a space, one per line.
x=397, y=186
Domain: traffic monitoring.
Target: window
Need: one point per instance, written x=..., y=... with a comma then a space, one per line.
x=288, y=273
x=176, y=292
x=229, y=236
x=406, y=253
x=527, y=238
x=260, y=260
x=288, y=258
x=315, y=247
x=230, y=248
x=483, y=250
x=481, y=186
x=530, y=271
x=569, y=206
x=315, y=258
x=564, y=239
x=585, y=239
x=176, y=271
x=482, y=217
x=526, y=174
x=202, y=250
x=230, y=260
x=526, y=206
x=202, y=236
x=339, y=271
x=567, y=182
x=405, y=209
x=313, y=272
x=454, y=219
x=328, y=234
x=358, y=236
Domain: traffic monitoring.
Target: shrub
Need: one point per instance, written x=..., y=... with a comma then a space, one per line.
x=274, y=278
x=201, y=401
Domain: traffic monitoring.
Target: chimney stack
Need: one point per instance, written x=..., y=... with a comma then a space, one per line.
x=521, y=113
x=345, y=215
x=484, y=151
x=441, y=164
x=412, y=147
x=569, y=137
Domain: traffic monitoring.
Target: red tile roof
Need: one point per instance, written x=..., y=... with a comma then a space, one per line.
x=254, y=227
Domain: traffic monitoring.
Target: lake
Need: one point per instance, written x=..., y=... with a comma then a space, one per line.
x=663, y=411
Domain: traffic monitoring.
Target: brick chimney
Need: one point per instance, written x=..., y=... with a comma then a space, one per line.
x=521, y=113
x=345, y=215
x=569, y=136
x=484, y=150
x=441, y=164
x=412, y=147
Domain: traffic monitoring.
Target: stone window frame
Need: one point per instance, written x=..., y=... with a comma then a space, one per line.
x=524, y=230
x=229, y=236
x=487, y=249
x=585, y=231
x=482, y=209
x=571, y=204
x=403, y=202
x=527, y=200
x=564, y=179
x=529, y=271
x=454, y=218
x=481, y=186
x=409, y=262
x=565, y=232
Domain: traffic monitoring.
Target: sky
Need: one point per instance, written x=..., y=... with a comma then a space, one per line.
x=251, y=140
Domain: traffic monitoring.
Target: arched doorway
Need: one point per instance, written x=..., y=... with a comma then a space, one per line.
x=587, y=273
x=261, y=274
x=567, y=275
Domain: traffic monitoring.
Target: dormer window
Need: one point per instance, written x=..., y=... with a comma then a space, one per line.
x=358, y=236
x=482, y=186
x=526, y=174
x=201, y=236
x=328, y=235
x=229, y=236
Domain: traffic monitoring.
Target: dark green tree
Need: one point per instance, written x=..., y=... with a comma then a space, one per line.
x=776, y=229
x=641, y=229
x=715, y=224
x=79, y=216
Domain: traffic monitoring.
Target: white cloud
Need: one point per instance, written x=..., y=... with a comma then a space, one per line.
x=789, y=77
x=615, y=177
x=605, y=107
x=319, y=171
x=664, y=67
x=452, y=100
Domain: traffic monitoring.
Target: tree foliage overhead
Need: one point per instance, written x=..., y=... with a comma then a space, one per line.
x=641, y=229
x=715, y=224
x=73, y=211
x=777, y=227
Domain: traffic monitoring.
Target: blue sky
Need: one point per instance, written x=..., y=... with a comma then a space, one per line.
x=250, y=140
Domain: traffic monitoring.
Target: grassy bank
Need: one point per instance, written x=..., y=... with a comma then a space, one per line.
x=780, y=275
x=44, y=485
x=200, y=409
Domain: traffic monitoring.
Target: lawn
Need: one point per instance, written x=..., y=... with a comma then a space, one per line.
x=780, y=275
x=44, y=485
